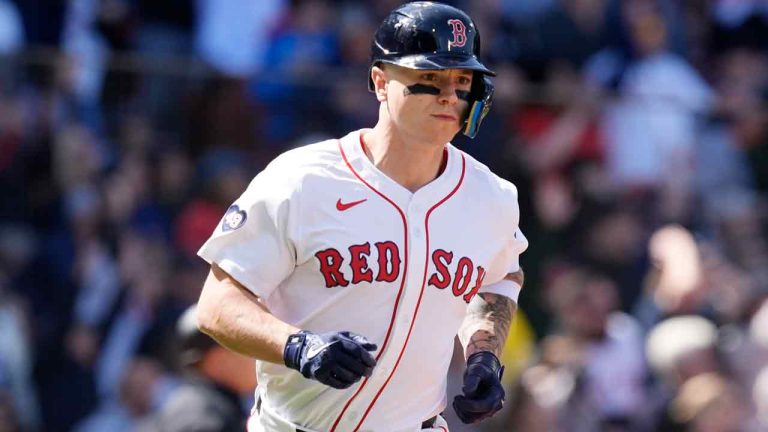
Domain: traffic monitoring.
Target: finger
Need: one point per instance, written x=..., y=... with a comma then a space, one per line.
x=362, y=341
x=345, y=375
x=368, y=359
x=353, y=364
x=358, y=338
x=370, y=346
x=335, y=382
x=471, y=384
x=358, y=351
x=350, y=345
x=463, y=415
x=474, y=406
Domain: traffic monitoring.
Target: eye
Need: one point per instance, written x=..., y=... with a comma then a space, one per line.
x=465, y=80
x=429, y=76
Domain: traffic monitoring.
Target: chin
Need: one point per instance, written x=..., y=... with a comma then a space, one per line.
x=429, y=132
x=437, y=138
x=443, y=134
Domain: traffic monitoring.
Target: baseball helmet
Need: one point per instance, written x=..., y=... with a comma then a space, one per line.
x=432, y=36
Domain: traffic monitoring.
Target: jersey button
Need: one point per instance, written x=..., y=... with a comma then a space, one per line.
x=417, y=232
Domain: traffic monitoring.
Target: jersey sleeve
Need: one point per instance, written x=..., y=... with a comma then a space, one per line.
x=255, y=240
x=515, y=243
x=516, y=246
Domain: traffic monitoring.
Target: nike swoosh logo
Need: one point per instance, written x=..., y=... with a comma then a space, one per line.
x=340, y=206
x=315, y=349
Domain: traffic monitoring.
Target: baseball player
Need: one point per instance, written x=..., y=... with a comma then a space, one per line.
x=348, y=266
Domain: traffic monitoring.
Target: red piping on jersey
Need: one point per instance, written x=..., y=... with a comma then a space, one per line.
x=402, y=281
x=421, y=293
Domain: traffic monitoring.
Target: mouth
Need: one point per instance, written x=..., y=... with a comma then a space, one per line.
x=445, y=117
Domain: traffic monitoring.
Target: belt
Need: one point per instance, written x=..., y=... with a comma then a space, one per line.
x=426, y=424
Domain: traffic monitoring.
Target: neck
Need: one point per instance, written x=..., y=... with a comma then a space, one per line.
x=410, y=163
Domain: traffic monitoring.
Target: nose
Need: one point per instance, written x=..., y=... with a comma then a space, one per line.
x=448, y=94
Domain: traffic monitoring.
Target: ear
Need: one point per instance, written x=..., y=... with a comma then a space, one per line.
x=379, y=83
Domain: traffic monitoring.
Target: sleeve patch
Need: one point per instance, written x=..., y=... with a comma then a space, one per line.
x=234, y=218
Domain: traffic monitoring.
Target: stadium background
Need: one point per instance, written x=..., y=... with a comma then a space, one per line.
x=635, y=130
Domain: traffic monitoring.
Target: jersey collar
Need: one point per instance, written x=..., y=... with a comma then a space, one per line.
x=352, y=149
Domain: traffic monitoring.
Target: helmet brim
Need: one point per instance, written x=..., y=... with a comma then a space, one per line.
x=438, y=62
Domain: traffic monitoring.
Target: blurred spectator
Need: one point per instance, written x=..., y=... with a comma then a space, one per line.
x=711, y=403
x=142, y=389
x=222, y=177
x=758, y=327
x=83, y=66
x=128, y=372
x=760, y=399
x=221, y=115
x=591, y=375
x=650, y=126
x=526, y=9
x=11, y=41
x=679, y=349
x=534, y=403
x=682, y=347
x=609, y=236
x=601, y=346
x=565, y=36
x=164, y=33
x=42, y=28
x=735, y=141
x=232, y=36
x=673, y=284
x=8, y=419
x=16, y=349
x=351, y=100
x=296, y=64
x=734, y=13
x=216, y=380
x=144, y=266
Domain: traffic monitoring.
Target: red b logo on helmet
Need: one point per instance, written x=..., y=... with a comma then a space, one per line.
x=459, y=33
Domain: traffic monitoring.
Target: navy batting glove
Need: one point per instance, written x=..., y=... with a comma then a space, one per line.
x=483, y=393
x=337, y=359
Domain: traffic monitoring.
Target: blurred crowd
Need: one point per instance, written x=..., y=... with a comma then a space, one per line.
x=635, y=130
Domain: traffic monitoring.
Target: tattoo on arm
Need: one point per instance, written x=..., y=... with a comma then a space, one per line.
x=488, y=319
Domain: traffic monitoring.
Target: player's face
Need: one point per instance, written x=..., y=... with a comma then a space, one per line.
x=427, y=115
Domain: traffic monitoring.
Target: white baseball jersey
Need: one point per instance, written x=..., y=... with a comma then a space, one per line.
x=330, y=243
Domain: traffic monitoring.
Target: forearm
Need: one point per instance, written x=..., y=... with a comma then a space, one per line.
x=486, y=325
x=489, y=316
x=232, y=315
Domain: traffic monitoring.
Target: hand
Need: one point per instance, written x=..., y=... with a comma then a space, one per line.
x=483, y=393
x=337, y=359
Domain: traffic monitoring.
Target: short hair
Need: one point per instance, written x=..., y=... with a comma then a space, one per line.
x=675, y=337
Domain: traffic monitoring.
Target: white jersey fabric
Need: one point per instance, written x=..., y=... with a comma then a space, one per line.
x=330, y=243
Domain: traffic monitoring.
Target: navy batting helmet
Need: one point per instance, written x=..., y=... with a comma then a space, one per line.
x=430, y=35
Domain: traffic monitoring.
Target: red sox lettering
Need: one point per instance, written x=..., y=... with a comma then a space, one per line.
x=459, y=33
x=388, y=265
x=441, y=279
x=387, y=268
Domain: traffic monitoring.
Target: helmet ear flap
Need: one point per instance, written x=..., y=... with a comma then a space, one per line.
x=480, y=99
